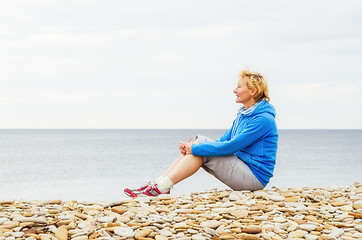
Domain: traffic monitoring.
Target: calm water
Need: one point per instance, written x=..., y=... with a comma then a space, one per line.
x=95, y=165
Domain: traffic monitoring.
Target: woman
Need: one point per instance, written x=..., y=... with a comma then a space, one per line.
x=243, y=158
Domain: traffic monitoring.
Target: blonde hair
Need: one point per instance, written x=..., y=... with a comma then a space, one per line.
x=255, y=80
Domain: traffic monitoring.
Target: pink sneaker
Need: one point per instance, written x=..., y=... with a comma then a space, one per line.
x=133, y=192
x=150, y=191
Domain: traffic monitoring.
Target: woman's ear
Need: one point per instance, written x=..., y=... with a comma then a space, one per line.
x=253, y=91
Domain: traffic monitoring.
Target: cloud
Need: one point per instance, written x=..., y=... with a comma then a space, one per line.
x=89, y=58
x=318, y=105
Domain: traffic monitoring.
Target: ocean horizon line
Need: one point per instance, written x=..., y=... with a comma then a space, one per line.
x=294, y=129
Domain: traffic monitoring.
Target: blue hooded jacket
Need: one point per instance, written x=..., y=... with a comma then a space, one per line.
x=253, y=137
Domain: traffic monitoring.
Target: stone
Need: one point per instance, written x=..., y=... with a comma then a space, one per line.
x=358, y=227
x=143, y=233
x=307, y=227
x=17, y=234
x=227, y=236
x=2, y=220
x=292, y=227
x=323, y=237
x=267, y=236
x=357, y=205
x=296, y=234
x=210, y=232
x=247, y=236
x=198, y=237
x=313, y=219
x=338, y=203
x=80, y=238
x=61, y=233
x=81, y=234
x=261, y=218
x=31, y=219
x=50, y=202
x=221, y=230
x=119, y=209
x=239, y=213
x=178, y=219
x=192, y=231
x=161, y=237
x=107, y=219
x=357, y=235
x=292, y=199
x=336, y=233
x=234, y=197
x=210, y=224
x=260, y=193
x=166, y=233
x=280, y=219
x=252, y=229
x=276, y=237
x=226, y=205
x=289, y=210
x=126, y=232
x=276, y=198
x=124, y=219
x=269, y=227
x=310, y=237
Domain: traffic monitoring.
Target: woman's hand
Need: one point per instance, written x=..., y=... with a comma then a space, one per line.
x=186, y=148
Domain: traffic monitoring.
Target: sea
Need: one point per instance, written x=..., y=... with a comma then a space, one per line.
x=95, y=165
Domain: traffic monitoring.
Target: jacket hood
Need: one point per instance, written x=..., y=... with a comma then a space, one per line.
x=259, y=107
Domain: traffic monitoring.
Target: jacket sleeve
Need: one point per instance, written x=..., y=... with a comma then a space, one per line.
x=226, y=136
x=256, y=129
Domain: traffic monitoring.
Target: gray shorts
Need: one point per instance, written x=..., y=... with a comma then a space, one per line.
x=230, y=170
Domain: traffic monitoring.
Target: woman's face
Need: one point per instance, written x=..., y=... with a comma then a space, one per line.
x=244, y=95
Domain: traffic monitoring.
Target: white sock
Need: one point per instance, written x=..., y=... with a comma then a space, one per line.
x=164, y=184
x=159, y=179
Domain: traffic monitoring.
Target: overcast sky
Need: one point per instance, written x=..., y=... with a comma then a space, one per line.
x=174, y=64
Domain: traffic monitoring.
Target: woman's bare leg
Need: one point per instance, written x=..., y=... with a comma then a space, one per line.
x=184, y=167
x=173, y=165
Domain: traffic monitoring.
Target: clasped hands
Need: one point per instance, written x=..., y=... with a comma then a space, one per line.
x=186, y=148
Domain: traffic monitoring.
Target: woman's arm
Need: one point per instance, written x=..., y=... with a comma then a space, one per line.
x=255, y=130
x=226, y=136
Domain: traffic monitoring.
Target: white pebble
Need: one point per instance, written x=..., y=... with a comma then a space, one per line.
x=166, y=233
x=307, y=227
x=210, y=224
x=233, y=197
x=198, y=237
x=80, y=238
x=311, y=237
x=124, y=232
x=226, y=205
x=276, y=198
x=107, y=219
x=17, y=234
x=336, y=233
x=192, y=231
x=357, y=235
x=2, y=220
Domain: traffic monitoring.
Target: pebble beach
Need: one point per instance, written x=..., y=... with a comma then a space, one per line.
x=286, y=213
